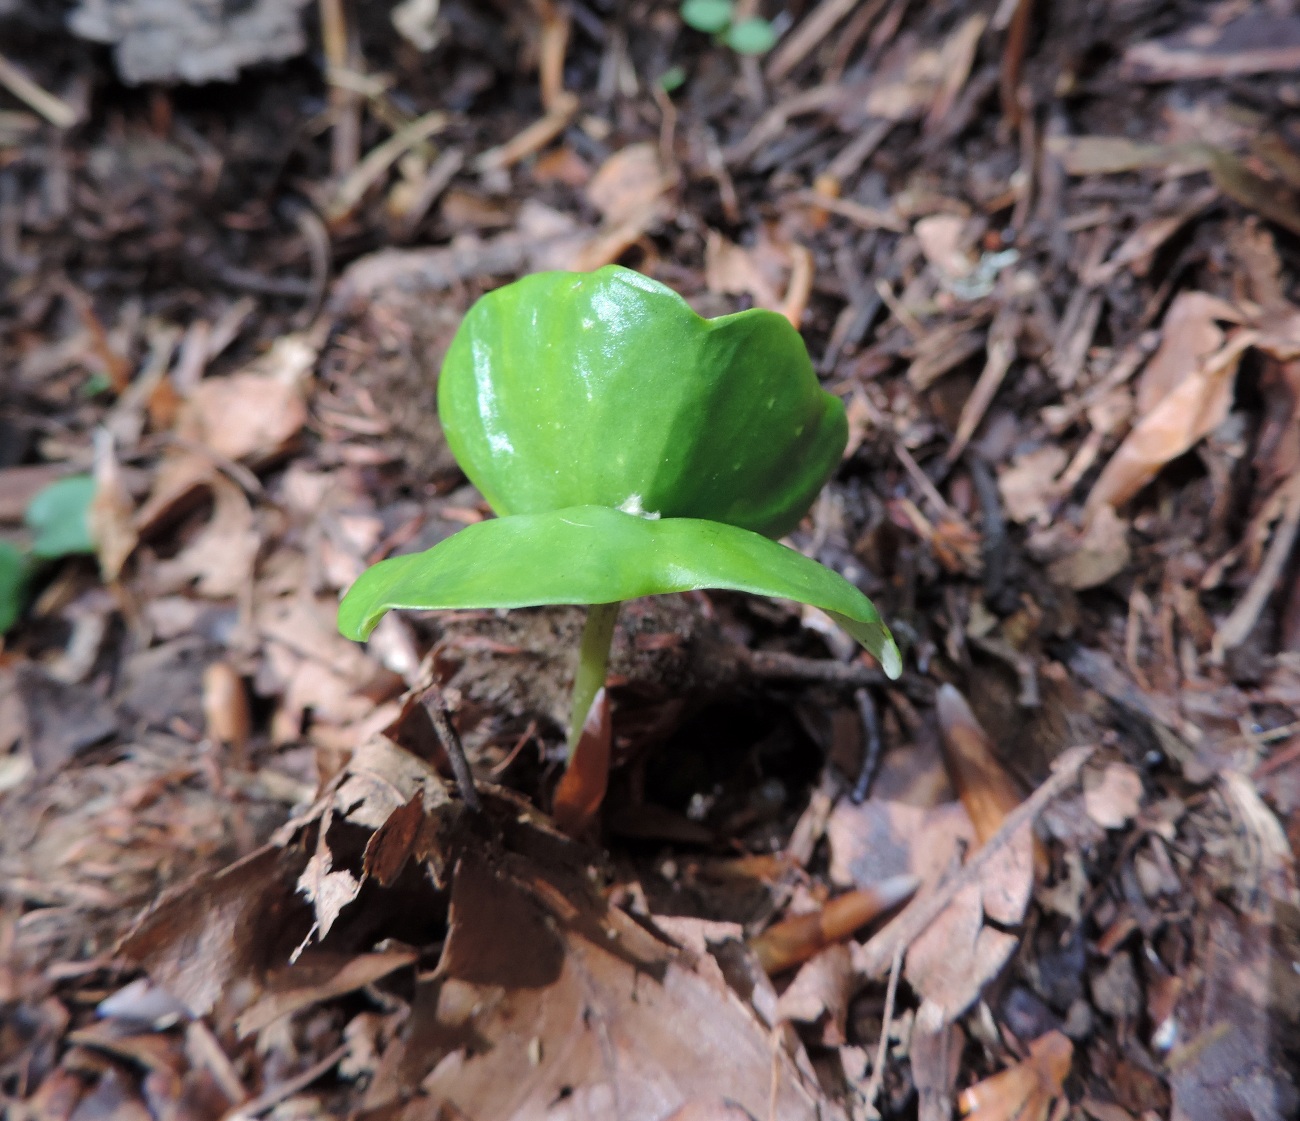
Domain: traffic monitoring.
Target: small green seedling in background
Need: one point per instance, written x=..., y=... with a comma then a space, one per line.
x=630, y=448
x=715, y=17
x=57, y=518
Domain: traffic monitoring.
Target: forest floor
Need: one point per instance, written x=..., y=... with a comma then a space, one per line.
x=1047, y=254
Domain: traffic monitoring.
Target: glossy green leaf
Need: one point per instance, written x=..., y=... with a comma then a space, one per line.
x=592, y=554
x=751, y=36
x=13, y=585
x=709, y=16
x=57, y=517
x=606, y=389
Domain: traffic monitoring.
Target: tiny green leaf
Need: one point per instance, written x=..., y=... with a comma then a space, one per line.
x=592, y=554
x=57, y=517
x=709, y=16
x=606, y=389
x=750, y=36
x=672, y=79
x=13, y=585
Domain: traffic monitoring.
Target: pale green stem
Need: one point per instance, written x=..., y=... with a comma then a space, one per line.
x=593, y=658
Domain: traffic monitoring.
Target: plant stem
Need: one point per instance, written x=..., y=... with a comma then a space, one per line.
x=593, y=658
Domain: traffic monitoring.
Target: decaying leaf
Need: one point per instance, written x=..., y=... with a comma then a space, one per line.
x=940, y=236
x=1028, y=487
x=1190, y=410
x=1112, y=798
x=1097, y=554
x=196, y=940
x=585, y=1015
x=219, y=558
x=733, y=270
x=254, y=414
x=1189, y=335
x=109, y=517
x=1026, y=1091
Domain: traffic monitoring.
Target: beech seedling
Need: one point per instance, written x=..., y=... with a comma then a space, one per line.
x=629, y=448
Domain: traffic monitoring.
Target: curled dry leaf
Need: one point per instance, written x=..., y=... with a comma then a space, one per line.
x=1098, y=554
x=225, y=707
x=1189, y=411
x=628, y=189
x=1190, y=334
x=940, y=236
x=1112, y=797
x=109, y=517
x=1028, y=487
x=732, y=270
x=318, y=978
x=821, y=991
x=583, y=1010
x=254, y=414
x=1026, y=1091
x=220, y=557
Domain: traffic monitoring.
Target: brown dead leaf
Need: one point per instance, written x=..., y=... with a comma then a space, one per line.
x=394, y=843
x=220, y=557
x=820, y=992
x=1189, y=335
x=631, y=180
x=1189, y=411
x=178, y=484
x=940, y=236
x=225, y=708
x=585, y=1013
x=306, y=983
x=327, y=889
x=980, y=780
x=310, y=663
x=1112, y=797
x=957, y=955
x=199, y=939
x=628, y=189
x=1028, y=486
x=1025, y=1091
x=953, y=960
x=109, y=518
x=382, y=779
x=254, y=414
x=732, y=270
x=1098, y=554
